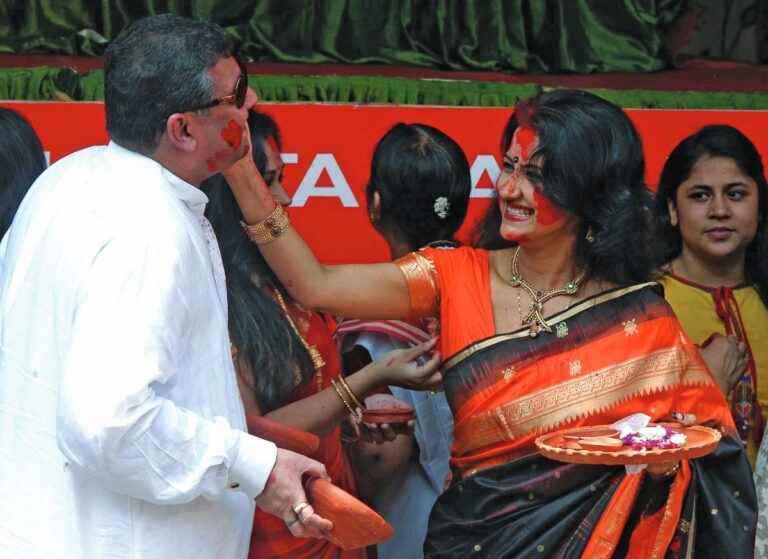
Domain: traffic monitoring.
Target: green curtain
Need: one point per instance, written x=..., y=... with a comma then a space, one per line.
x=50, y=83
x=493, y=35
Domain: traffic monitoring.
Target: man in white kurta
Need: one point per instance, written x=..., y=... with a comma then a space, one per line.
x=121, y=425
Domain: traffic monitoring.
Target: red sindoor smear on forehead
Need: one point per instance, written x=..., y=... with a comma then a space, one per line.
x=526, y=137
x=233, y=134
x=546, y=212
x=273, y=144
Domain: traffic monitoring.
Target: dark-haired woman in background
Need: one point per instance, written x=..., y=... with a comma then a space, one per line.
x=417, y=197
x=711, y=205
x=549, y=324
x=287, y=362
x=21, y=160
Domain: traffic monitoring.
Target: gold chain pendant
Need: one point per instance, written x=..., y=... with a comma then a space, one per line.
x=314, y=354
x=534, y=319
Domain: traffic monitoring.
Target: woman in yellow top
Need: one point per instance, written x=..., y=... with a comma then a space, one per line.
x=711, y=203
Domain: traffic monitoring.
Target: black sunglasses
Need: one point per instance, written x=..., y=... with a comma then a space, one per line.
x=238, y=97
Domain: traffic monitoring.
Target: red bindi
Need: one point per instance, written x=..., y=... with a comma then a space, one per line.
x=526, y=137
x=233, y=134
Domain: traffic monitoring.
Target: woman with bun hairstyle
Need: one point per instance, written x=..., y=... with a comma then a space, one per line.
x=417, y=197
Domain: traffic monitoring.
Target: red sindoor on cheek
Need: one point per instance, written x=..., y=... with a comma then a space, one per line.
x=217, y=161
x=546, y=212
x=233, y=134
x=519, y=238
x=526, y=137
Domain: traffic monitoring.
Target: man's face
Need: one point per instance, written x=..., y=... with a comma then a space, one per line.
x=224, y=137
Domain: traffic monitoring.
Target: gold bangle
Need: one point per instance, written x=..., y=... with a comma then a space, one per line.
x=351, y=394
x=269, y=228
x=354, y=412
x=667, y=474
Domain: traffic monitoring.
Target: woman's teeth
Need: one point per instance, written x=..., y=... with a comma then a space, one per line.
x=519, y=212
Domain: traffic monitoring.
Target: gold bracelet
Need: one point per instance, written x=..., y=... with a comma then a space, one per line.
x=269, y=228
x=667, y=474
x=351, y=394
x=354, y=412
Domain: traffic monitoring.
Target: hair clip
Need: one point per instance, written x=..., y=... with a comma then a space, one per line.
x=441, y=207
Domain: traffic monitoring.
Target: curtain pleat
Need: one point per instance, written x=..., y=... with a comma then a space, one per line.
x=492, y=35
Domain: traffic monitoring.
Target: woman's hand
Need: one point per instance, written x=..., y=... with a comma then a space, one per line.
x=384, y=432
x=252, y=193
x=726, y=358
x=663, y=470
x=401, y=367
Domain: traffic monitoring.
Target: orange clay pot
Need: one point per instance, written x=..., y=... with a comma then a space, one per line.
x=284, y=436
x=355, y=525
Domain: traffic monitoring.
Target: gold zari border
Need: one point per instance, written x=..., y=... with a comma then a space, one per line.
x=583, y=396
x=523, y=333
x=419, y=272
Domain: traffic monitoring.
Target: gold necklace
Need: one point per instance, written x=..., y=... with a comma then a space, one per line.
x=534, y=319
x=317, y=358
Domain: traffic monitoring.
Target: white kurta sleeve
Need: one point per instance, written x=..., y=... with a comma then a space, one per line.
x=130, y=325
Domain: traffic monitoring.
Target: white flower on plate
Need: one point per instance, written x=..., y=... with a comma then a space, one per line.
x=678, y=439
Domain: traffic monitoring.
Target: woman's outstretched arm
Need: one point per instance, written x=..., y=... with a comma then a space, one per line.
x=352, y=291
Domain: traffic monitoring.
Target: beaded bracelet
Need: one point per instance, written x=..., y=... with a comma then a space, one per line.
x=269, y=228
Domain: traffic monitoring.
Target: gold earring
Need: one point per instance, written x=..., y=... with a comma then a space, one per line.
x=590, y=237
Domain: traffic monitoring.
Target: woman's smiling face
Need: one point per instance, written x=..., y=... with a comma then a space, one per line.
x=527, y=214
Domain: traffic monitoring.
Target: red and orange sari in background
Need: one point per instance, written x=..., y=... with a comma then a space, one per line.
x=609, y=356
x=270, y=538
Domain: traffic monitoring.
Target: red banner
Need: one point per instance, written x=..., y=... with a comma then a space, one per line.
x=327, y=151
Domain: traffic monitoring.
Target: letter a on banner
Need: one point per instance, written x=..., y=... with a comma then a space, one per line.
x=484, y=164
x=339, y=187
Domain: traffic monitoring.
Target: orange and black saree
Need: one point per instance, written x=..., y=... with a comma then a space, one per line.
x=612, y=355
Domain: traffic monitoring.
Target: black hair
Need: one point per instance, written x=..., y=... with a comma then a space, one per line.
x=158, y=66
x=263, y=127
x=422, y=177
x=257, y=325
x=592, y=166
x=717, y=140
x=21, y=159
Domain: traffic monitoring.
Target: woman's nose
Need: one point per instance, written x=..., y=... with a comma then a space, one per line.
x=509, y=186
x=719, y=207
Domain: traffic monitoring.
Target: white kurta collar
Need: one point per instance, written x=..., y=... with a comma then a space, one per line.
x=191, y=196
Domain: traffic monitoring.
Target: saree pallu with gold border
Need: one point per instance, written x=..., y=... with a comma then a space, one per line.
x=612, y=355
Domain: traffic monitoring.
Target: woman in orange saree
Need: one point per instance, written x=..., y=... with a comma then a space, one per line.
x=548, y=323
x=614, y=354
